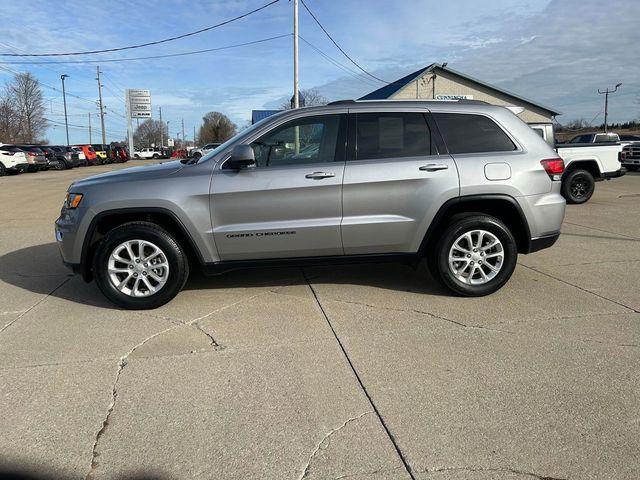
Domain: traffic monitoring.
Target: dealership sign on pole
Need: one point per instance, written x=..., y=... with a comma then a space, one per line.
x=138, y=106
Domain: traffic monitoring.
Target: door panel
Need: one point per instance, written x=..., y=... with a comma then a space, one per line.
x=291, y=204
x=389, y=201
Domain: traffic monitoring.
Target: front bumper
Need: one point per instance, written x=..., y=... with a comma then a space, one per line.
x=68, y=236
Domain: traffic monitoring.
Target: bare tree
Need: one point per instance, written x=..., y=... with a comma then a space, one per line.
x=216, y=128
x=8, y=118
x=26, y=93
x=148, y=133
x=312, y=97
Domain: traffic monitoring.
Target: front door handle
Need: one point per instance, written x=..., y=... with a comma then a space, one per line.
x=320, y=175
x=432, y=167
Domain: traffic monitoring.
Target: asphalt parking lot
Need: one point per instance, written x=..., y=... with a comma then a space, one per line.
x=364, y=372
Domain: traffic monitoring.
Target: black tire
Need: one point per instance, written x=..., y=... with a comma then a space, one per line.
x=578, y=186
x=3, y=170
x=197, y=155
x=150, y=232
x=60, y=164
x=155, y=156
x=439, y=260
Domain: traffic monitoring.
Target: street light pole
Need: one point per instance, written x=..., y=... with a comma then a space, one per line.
x=606, y=103
x=64, y=99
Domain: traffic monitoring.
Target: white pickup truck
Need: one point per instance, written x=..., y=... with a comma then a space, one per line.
x=585, y=163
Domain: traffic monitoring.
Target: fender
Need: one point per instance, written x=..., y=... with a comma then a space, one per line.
x=85, y=265
x=454, y=204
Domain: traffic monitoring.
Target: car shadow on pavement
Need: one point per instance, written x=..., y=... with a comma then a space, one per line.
x=21, y=473
x=39, y=269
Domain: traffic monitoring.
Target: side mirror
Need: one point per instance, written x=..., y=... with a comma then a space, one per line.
x=242, y=157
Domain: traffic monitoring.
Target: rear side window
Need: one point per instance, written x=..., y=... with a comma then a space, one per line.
x=465, y=133
x=392, y=135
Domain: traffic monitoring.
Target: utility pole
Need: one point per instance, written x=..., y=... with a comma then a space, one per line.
x=183, y=139
x=606, y=103
x=161, y=131
x=296, y=99
x=104, y=138
x=89, y=128
x=64, y=99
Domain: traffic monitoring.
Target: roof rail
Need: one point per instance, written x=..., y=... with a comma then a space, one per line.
x=342, y=102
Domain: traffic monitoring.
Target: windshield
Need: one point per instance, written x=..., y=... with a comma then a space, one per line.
x=238, y=137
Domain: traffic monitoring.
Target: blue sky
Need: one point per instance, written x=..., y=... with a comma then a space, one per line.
x=558, y=52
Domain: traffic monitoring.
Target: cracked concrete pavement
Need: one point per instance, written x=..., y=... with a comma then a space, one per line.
x=363, y=372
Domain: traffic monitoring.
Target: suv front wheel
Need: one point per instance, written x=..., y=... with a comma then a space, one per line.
x=140, y=266
x=475, y=256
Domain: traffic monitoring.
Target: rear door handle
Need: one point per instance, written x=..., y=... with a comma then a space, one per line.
x=320, y=175
x=432, y=167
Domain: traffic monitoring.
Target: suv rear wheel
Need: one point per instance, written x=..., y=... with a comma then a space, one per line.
x=475, y=256
x=140, y=266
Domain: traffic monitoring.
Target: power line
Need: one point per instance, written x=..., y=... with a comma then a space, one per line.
x=353, y=73
x=338, y=46
x=110, y=60
x=118, y=49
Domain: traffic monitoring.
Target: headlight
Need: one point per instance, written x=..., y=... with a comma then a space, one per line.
x=72, y=200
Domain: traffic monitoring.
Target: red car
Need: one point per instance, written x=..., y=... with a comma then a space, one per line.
x=90, y=154
x=121, y=154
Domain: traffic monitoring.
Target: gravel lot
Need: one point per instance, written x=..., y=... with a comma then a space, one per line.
x=364, y=372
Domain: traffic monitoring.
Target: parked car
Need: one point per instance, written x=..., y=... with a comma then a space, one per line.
x=12, y=160
x=465, y=184
x=101, y=153
x=36, y=158
x=199, y=152
x=48, y=153
x=629, y=138
x=585, y=162
x=121, y=154
x=65, y=157
x=595, y=138
x=147, y=153
x=89, y=154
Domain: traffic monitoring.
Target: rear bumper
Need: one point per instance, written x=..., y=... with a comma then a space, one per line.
x=18, y=167
x=616, y=174
x=541, y=243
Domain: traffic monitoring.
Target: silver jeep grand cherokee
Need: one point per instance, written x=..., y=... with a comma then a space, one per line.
x=465, y=184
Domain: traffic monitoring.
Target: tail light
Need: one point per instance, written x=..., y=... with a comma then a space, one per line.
x=622, y=156
x=554, y=167
x=32, y=154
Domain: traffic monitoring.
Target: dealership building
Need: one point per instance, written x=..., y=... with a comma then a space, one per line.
x=442, y=83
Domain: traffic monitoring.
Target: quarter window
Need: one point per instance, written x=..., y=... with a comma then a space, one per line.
x=301, y=141
x=392, y=135
x=464, y=133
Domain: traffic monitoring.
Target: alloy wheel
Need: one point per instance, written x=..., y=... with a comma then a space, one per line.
x=476, y=257
x=138, y=268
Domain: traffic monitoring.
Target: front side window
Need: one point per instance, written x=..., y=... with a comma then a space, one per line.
x=298, y=142
x=467, y=133
x=392, y=135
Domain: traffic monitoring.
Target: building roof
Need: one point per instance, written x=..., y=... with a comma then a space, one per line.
x=257, y=115
x=388, y=90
